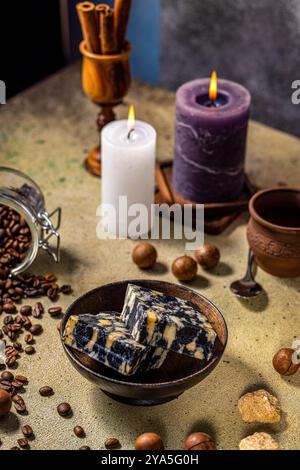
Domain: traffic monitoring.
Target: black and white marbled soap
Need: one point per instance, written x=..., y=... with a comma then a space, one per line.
x=106, y=339
x=163, y=321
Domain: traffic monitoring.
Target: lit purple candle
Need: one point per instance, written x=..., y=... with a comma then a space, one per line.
x=210, y=142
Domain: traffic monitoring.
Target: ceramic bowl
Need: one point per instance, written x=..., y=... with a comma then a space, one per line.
x=274, y=230
x=177, y=374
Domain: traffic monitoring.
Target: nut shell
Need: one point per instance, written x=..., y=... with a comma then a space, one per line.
x=149, y=441
x=184, y=268
x=283, y=363
x=144, y=255
x=5, y=402
x=208, y=256
x=199, y=441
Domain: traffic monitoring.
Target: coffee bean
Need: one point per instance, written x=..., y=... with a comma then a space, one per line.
x=15, y=448
x=19, y=404
x=6, y=375
x=84, y=448
x=17, y=346
x=55, y=311
x=79, y=431
x=29, y=338
x=11, y=361
x=64, y=409
x=36, y=329
x=50, y=277
x=29, y=350
x=9, y=308
x=27, y=324
x=6, y=385
x=23, y=443
x=26, y=310
x=112, y=443
x=27, y=431
x=52, y=293
x=38, y=310
x=8, y=320
x=46, y=391
x=66, y=289
x=31, y=292
x=22, y=379
x=17, y=385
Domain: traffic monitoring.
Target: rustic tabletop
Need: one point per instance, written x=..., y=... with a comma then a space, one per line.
x=46, y=132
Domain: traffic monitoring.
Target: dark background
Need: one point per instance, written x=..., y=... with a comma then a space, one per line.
x=255, y=43
x=30, y=42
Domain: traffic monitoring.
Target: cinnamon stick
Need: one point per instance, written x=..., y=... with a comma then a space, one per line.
x=87, y=18
x=106, y=27
x=122, y=13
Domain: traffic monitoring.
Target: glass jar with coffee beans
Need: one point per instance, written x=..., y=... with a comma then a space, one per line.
x=25, y=224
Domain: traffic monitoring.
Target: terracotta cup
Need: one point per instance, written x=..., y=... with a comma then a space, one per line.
x=274, y=230
x=106, y=78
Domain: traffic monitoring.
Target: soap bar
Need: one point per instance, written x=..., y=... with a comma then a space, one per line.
x=164, y=321
x=105, y=338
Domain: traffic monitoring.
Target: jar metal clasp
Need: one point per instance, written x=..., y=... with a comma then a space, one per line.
x=49, y=230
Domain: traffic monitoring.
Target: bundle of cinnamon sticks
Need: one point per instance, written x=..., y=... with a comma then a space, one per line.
x=104, y=28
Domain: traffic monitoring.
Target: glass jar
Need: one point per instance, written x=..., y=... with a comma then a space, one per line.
x=22, y=194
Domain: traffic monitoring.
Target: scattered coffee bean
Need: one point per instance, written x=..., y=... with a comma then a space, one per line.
x=26, y=310
x=79, y=431
x=64, y=409
x=66, y=289
x=36, y=329
x=23, y=443
x=29, y=338
x=46, y=391
x=11, y=361
x=15, y=448
x=17, y=346
x=7, y=386
x=22, y=378
x=27, y=431
x=38, y=310
x=6, y=375
x=55, y=311
x=29, y=350
x=17, y=385
x=84, y=448
x=19, y=404
x=112, y=443
x=9, y=308
x=50, y=277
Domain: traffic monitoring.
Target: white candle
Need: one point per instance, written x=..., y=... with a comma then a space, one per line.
x=128, y=152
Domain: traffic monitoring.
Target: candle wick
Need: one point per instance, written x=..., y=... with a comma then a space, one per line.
x=130, y=133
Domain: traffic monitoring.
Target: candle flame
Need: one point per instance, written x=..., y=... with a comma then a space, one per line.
x=213, y=87
x=131, y=118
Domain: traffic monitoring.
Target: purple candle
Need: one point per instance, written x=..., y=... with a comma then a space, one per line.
x=210, y=142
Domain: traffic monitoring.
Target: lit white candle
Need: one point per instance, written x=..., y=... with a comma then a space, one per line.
x=128, y=152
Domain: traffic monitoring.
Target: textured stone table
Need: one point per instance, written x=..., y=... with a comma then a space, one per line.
x=46, y=132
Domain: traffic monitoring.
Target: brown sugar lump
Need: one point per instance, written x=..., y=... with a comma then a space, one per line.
x=258, y=441
x=259, y=407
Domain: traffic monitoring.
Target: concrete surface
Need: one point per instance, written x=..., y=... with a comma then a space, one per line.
x=47, y=132
x=254, y=43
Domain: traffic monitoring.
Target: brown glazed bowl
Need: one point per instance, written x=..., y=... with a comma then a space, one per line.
x=177, y=374
x=274, y=230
